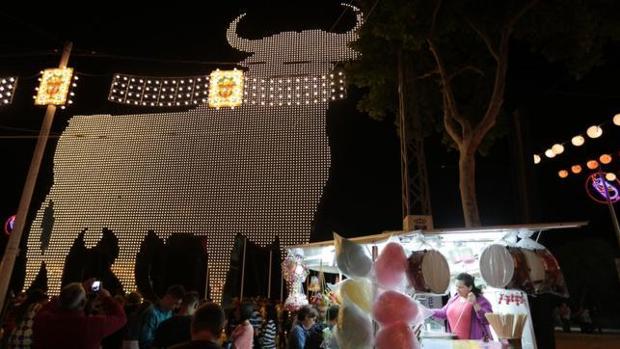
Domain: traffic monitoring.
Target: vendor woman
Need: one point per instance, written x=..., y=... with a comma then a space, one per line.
x=465, y=310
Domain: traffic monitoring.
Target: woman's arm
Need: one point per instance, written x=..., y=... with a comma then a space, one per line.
x=441, y=313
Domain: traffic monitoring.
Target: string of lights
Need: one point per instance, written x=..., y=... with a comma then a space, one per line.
x=593, y=132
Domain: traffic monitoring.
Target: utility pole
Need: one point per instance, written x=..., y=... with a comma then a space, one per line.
x=12, y=248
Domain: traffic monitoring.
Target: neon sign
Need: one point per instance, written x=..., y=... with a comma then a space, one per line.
x=599, y=189
x=9, y=225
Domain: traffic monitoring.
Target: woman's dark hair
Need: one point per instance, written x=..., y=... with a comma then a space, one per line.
x=468, y=280
x=245, y=311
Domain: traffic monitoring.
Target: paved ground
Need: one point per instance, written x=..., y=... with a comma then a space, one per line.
x=586, y=341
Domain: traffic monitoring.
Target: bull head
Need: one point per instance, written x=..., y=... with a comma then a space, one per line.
x=296, y=48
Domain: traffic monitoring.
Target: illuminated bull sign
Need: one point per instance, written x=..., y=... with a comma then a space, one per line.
x=258, y=170
x=599, y=189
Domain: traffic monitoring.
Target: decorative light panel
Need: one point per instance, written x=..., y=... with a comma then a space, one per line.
x=258, y=169
x=150, y=91
x=7, y=89
x=226, y=89
x=302, y=89
x=54, y=86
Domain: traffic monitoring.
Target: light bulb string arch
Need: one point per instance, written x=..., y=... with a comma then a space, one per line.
x=551, y=153
x=593, y=163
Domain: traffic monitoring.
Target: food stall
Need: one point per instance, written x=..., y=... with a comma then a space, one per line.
x=506, y=262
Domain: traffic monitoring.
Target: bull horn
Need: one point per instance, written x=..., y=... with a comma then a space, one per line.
x=237, y=42
x=359, y=20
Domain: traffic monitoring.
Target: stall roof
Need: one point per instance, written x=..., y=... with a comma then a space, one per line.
x=377, y=238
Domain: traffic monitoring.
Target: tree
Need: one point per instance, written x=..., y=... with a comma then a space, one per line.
x=457, y=54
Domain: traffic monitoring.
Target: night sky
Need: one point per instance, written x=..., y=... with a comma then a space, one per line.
x=363, y=194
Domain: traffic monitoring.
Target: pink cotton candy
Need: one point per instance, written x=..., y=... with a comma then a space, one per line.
x=390, y=265
x=397, y=336
x=392, y=306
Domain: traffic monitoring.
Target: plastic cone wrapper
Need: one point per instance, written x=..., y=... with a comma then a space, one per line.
x=353, y=260
x=392, y=307
x=354, y=328
x=390, y=266
x=398, y=335
x=358, y=292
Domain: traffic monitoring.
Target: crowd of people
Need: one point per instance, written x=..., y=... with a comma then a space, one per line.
x=87, y=318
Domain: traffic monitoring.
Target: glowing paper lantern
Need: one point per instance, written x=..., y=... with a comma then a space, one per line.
x=592, y=164
x=226, y=88
x=536, y=159
x=549, y=153
x=557, y=149
x=576, y=169
x=594, y=131
x=563, y=173
x=610, y=176
x=578, y=141
x=605, y=159
x=54, y=86
x=617, y=119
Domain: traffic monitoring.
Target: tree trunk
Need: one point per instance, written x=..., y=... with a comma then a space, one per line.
x=467, y=185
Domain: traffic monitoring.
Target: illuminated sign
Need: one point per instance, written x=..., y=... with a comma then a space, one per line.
x=9, y=225
x=258, y=170
x=599, y=189
x=54, y=86
x=226, y=88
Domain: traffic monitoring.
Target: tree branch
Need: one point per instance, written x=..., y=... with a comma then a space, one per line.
x=465, y=68
x=434, y=20
x=484, y=38
x=449, y=99
x=512, y=21
x=427, y=75
x=451, y=126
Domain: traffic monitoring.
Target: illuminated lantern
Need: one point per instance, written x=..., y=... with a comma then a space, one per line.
x=536, y=159
x=610, y=176
x=549, y=153
x=605, y=159
x=576, y=169
x=563, y=173
x=578, y=141
x=557, y=149
x=592, y=164
x=594, y=131
x=617, y=119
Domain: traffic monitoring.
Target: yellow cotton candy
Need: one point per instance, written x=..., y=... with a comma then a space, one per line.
x=358, y=292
